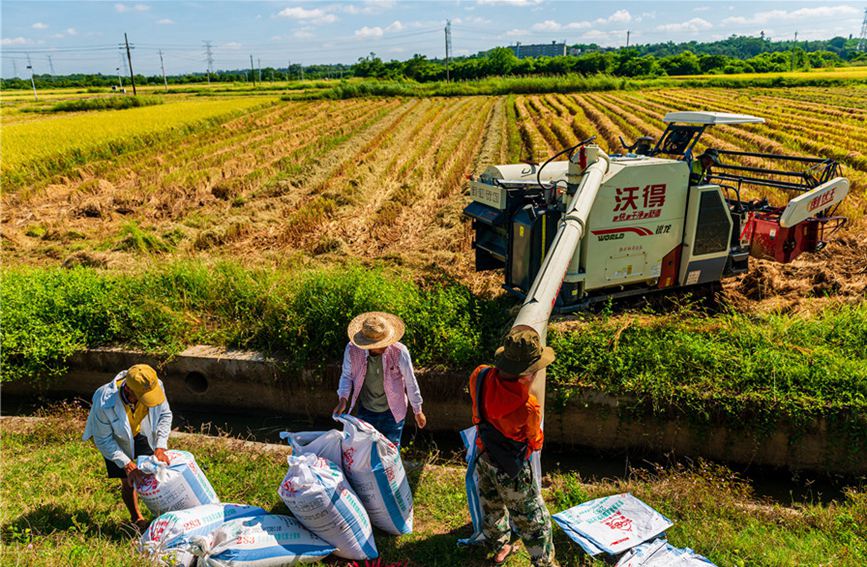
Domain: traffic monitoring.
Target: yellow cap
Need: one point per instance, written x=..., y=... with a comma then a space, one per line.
x=142, y=380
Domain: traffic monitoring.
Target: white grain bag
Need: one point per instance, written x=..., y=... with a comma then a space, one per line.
x=316, y=492
x=167, y=539
x=325, y=444
x=613, y=524
x=375, y=471
x=270, y=540
x=175, y=486
x=659, y=553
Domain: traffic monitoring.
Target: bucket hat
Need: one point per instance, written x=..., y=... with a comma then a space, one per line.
x=712, y=154
x=522, y=352
x=375, y=329
x=142, y=380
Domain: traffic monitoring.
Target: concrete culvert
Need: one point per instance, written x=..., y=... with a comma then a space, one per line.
x=196, y=382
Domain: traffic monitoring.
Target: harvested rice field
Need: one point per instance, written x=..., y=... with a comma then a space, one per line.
x=266, y=182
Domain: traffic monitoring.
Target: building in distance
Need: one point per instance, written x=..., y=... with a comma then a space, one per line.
x=553, y=49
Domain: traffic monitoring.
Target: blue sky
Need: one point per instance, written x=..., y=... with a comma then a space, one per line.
x=83, y=36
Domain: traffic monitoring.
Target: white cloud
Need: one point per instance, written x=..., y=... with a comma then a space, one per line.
x=620, y=16
x=376, y=31
x=15, y=41
x=58, y=35
x=552, y=26
x=471, y=20
x=313, y=16
x=701, y=9
x=517, y=33
x=39, y=26
x=369, y=7
x=165, y=22
x=71, y=31
x=232, y=45
x=303, y=34
x=693, y=25
x=368, y=32
x=605, y=38
x=121, y=8
x=518, y=3
x=790, y=15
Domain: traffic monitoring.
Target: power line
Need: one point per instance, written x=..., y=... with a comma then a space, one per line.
x=51, y=65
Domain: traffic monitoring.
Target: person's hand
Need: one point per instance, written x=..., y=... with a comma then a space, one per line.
x=134, y=474
x=340, y=408
x=160, y=455
x=420, y=420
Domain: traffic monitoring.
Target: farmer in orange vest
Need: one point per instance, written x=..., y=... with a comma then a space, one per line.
x=508, y=421
x=378, y=375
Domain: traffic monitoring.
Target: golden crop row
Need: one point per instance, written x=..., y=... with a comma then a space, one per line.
x=28, y=143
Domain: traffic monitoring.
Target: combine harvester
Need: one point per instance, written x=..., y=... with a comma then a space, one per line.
x=594, y=227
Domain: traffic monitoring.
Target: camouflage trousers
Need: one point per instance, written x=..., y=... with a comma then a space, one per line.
x=520, y=501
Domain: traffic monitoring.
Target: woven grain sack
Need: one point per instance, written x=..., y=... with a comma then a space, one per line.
x=316, y=492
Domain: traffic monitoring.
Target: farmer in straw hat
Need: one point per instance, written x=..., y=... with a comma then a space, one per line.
x=130, y=416
x=377, y=372
x=508, y=421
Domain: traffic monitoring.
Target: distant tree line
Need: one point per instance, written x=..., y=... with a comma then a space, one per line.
x=737, y=54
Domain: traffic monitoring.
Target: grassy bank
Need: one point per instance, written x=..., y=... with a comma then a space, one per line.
x=571, y=84
x=51, y=516
x=746, y=369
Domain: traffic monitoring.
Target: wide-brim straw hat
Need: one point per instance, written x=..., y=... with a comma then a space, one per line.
x=522, y=353
x=375, y=329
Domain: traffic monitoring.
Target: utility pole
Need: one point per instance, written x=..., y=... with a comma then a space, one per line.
x=163, y=67
x=15, y=68
x=129, y=59
x=32, y=80
x=259, y=61
x=51, y=65
x=862, y=40
x=448, y=31
x=119, y=80
x=209, y=57
x=628, y=33
x=252, y=71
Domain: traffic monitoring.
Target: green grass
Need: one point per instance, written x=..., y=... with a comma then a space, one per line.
x=746, y=369
x=57, y=507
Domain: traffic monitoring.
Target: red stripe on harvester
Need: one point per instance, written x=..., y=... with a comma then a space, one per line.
x=639, y=230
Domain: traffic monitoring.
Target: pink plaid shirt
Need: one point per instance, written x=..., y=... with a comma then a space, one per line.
x=398, y=378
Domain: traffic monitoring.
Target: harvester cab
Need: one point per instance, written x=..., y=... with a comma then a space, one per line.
x=652, y=223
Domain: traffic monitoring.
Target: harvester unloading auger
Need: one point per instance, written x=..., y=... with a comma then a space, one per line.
x=594, y=227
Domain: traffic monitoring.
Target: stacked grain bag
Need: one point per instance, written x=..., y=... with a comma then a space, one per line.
x=168, y=537
x=271, y=540
x=374, y=469
x=175, y=486
x=316, y=492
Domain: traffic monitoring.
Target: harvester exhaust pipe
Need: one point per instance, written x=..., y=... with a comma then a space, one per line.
x=591, y=165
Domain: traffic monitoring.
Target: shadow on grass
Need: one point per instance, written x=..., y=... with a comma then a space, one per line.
x=47, y=519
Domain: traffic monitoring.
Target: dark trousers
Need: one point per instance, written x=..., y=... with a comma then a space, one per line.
x=383, y=422
x=141, y=446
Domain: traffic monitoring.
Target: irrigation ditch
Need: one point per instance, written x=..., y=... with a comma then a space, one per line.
x=250, y=388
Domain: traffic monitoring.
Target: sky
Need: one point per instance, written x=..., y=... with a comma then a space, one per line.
x=84, y=36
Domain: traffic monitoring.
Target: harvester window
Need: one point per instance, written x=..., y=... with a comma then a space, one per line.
x=713, y=225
